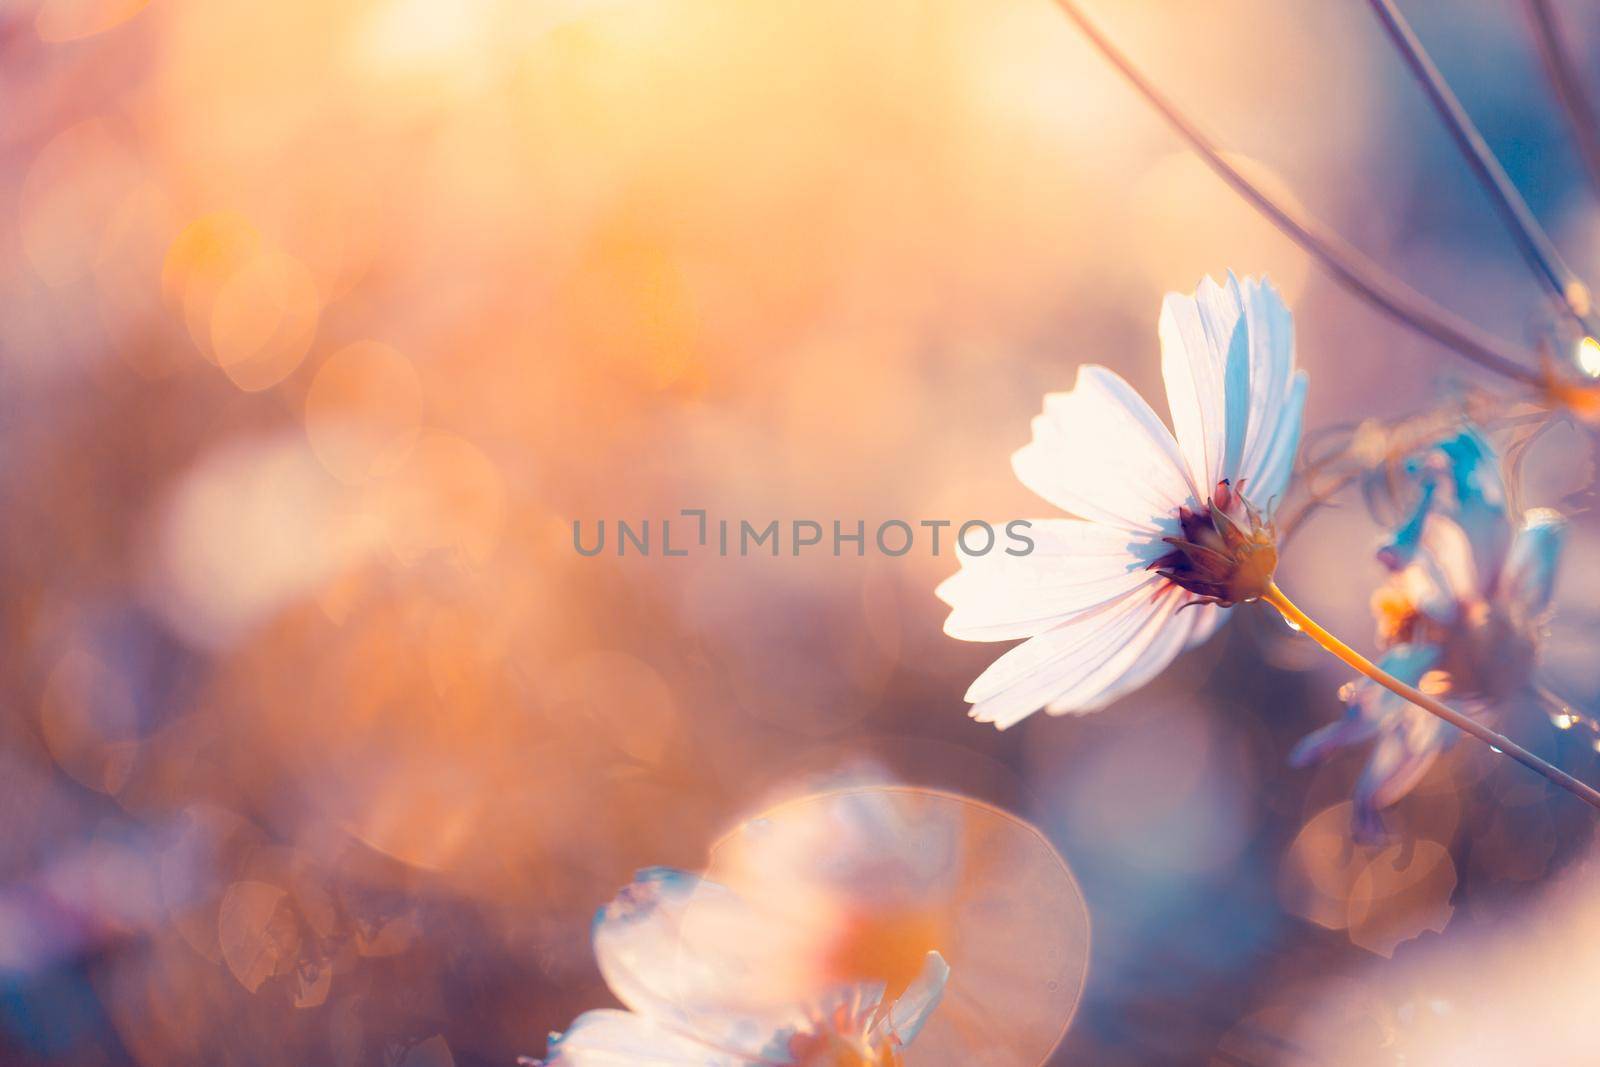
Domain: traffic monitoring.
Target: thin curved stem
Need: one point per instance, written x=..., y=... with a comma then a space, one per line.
x=1568, y=85
x=1400, y=439
x=1499, y=742
x=1348, y=266
x=1534, y=244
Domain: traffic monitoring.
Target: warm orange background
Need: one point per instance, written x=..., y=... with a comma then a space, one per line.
x=322, y=320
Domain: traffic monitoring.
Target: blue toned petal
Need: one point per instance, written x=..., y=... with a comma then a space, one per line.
x=1277, y=394
x=1459, y=480
x=1479, y=507
x=1198, y=332
x=1375, y=713
x=1323, y=742
x=1408, y=739
x=1390, y=713
x=1407, y=663
x=1267, y=482
x=1371, y=708
x=1530, y=576
x=1475, y=474
x=1401, y=547
x=1227, y=359
x=1403, y=754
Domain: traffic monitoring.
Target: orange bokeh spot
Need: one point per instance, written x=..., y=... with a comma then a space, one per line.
x=363, y=411
x=263, y=320
x=203, y=256
x=70, y=20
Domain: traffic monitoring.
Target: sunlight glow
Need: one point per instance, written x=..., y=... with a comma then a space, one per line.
x=1589, y=357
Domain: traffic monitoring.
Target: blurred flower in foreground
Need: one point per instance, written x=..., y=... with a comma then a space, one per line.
x=1165, y=520
x=1460, y=614
x=819, y=934
x=636, y=942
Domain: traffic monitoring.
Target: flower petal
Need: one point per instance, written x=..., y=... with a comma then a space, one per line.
x=703, y=986
x=610, y=1038
x=1444, y=574
x=1398, y=762
x=1227, y=357
x=1100, y=452
x=1352, y=728
x=1406, y=738
x=1459, y=484
x=1530, y=574
x=1145, y=656
x=908, y=1014
x=1074, y=566
x=1267, y=478
x=1479, y=500
x=636, y=937
x=1400, y=548
x=1050, y=646
x=1082, y=655
x=1277, y=392
x=1205, y=363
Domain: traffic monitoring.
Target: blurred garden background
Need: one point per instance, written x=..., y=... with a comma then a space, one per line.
x=322, y=321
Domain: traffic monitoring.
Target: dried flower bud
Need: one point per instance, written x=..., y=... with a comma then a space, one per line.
x=1227, y=553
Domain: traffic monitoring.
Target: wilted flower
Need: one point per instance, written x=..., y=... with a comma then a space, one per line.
x=1170, y=520
x=695, y=1000
x=1459, y=615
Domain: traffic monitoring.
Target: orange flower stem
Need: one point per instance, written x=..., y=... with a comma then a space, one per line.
x=1356, y=661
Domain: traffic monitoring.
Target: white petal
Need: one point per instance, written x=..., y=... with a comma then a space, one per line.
x=908, y=1014
x=622, y=1039
x=1146, y=654
x=1074, y=566
x=1049, y=646
x=1205, y=363
x=1046, y=668
x=1452, y=570
x=1100, y=452
x=1272, y=384
x=1267, y=474
x=707, y=986
x=636, y=939
x=1227, y=356
x=1426, y=585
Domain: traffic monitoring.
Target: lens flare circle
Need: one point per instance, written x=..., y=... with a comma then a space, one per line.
x=859, y=884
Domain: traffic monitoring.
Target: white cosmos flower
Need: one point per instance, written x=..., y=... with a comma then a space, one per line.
x=694, y=963
x=1101, y=621
x=816, y=936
